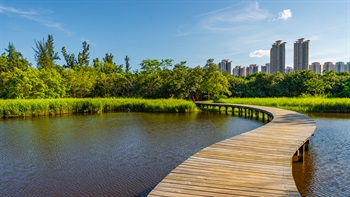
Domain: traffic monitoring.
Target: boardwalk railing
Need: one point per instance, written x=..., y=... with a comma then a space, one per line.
x=255, y=163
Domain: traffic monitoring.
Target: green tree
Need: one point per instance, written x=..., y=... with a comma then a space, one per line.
x=109, y=66
x=80, y=83
x=238, y=86
x=193, y=81
x=69, y=58
x=215, y=84
x=3, y=63
x=150, y=66
x=45, y=54
x=21, y=84
x=346, y=89
x=258, y=85
x=84, y=56
x=55, y=87
x=15, y=59
x=127, y=64
x=166, y=63
x=277, y=88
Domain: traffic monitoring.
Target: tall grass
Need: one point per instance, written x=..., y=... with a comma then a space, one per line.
x=299, y=104
x=41, y=107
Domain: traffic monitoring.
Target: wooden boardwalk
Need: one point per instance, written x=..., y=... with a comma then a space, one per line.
x=255, y=163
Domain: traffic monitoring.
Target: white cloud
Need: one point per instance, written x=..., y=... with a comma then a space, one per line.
x=36, y=17
x=285, y=14
x=10, y=10
x=260, y=53
x=225, y=18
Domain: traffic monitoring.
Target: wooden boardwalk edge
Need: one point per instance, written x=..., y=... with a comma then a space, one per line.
x=255, y=163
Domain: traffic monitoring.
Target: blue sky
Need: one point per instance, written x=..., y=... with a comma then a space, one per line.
x=192, y=31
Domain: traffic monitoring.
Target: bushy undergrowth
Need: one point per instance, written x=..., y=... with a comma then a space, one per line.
x=299, y=104
x=40, y=107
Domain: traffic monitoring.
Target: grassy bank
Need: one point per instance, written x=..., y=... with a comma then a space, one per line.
x=302, y=104
x=40, y=107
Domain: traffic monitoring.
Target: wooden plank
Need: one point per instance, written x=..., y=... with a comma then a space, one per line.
x=255, y=163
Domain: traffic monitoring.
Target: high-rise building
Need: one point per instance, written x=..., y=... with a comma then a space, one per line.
x=339, y=67
x=316, y=67
x=266, y=68
x=226, y=66
x=278, y=57
x=242, y=71
x=301, y=54
x=236, y=71
x=347, y=67
x=328, y=66
x=253, y=68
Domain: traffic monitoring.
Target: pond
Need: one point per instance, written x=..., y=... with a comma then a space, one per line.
x=127, y=154
x=325, y=170
x=113, y=154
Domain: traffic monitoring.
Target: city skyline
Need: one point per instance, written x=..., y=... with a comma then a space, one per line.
x=191, y=31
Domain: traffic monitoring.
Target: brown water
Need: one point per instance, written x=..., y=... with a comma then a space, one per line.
x=326, y=168
x=117, y=154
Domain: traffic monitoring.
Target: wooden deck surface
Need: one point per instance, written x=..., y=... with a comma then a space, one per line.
x=255, y=163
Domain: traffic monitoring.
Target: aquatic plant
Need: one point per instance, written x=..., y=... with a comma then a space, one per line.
x=42, y=107
x=299, y=104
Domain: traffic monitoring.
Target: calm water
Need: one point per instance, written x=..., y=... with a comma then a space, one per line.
x=117, y=154
x=326, y=169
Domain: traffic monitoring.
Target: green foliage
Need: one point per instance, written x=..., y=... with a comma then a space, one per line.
x=39, y=107
x=156, y=79
x=150, y=66
x=299, y=104
x=45, y=54
x=14, y=59
x=83, y=57
x=69, y=58
x=215, y=84
x=346, y=89
x=127, y=64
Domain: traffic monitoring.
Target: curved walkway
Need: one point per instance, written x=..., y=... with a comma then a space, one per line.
x=255, y=163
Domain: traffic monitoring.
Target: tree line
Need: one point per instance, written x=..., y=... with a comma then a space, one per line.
x=80, y=78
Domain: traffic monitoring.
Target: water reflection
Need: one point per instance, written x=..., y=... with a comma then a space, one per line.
x=325, y=171
x=117, y=154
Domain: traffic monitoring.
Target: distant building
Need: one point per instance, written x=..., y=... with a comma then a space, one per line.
x=316, y=67
x=266, y=68
x=243, y=71
x=240, y=71
x=277, y=57
x=301, y=54
x=328, y=66
x=347, y=67
x=226, y=66
x=289, y=69
x=339, y=67
x=236, y=71
x=253, y=68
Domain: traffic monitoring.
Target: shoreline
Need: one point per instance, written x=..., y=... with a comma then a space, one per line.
x=49, y=107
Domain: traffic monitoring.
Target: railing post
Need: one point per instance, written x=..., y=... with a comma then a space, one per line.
x=307, y=145
x=263, y=116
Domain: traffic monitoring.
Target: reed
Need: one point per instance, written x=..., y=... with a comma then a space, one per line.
x=43, y=107
x=299, y=104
